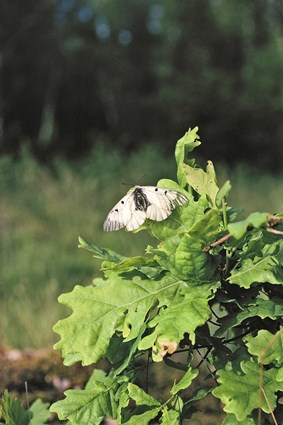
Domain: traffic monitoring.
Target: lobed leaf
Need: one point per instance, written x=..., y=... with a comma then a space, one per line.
x=141, y=397
x=203, y=182
x=257, y=270
x=182, y=316
x=40, y=412
x=184, y=257
x=184, y=146
x=147, y=266
x=255, y=220
x=223, y=193
x=266, y=346
x=143, y=418
x=259, y=307
x=231, y=419
x=240, y=392
x=199, y=394
x=99, y=311
x=207, y=228
x=185, y=381
x=89, y=406
x=170, y=417
x=149, y=410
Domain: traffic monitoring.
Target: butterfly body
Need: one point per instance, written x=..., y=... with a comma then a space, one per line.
x=141, y=203
x=140, y=199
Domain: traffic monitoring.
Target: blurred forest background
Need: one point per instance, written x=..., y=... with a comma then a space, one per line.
x=75, y=72
x=94, y=93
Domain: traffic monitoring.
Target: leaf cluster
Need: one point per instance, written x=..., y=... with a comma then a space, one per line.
x=12, y=412
x=211, y=289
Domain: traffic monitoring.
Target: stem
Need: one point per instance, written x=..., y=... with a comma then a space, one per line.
x=218, y=242
x=275, y=231
x=206, y=364
x=27, y=400
x=175, y=365
x=226, y=341
x=214, y=323
x=269, y=406
x=147, y=373
x=204, y=357
x=225, y=221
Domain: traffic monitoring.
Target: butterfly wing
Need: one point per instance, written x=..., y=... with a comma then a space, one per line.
x=162, y=202
x=120, y=214
x=140, y=203
x=137, y=219
x=124, y=214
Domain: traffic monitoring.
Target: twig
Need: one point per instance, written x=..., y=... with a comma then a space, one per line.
x=275, y=231
x=269, y=406
x=204, y=357
x=211, y=373
x=226, y=341
x=218, y=242
x=147, y=373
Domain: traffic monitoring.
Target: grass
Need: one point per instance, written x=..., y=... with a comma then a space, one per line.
x=44, y=210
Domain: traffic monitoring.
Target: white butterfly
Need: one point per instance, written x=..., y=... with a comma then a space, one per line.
x=140, y=203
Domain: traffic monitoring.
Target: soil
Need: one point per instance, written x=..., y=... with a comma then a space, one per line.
x=47, y=378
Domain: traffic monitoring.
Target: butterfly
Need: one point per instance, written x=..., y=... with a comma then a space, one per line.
x=140, y=203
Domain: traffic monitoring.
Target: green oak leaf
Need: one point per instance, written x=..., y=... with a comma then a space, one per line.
x=255, y=220
x=147, y=407
x=185, y=381
x=223, y=193
x=184, y=257
x=89, y=406
x=101, y=253
x=118, y=303
x=170, y=417
x=206, y=229
x=257, y=270
x=142, y=417
x=199, y=394
x=120, y=352
x=171, y=184
x=145, y=265
x=232, y=420
x=259, y=307
x=40, y=412
x=184, y=146
x=203, y=182
x=183, y=315
x=266, y=346
x=239, y=392
x=141, y=397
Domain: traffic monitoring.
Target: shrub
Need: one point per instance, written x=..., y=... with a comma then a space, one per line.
x=212, y=286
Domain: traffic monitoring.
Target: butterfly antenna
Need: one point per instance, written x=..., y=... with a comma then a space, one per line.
x=133, y=184
x=139, y=180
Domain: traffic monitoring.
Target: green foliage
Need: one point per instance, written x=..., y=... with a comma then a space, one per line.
x=202, y=289
x=12, y=413
x=239, y=389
